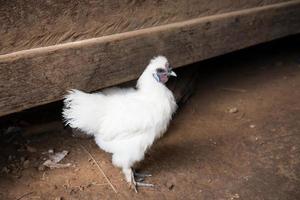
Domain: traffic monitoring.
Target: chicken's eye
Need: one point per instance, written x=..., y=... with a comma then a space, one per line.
x=160, y=70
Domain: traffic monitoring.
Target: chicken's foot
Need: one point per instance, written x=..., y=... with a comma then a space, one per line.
x=137, y=180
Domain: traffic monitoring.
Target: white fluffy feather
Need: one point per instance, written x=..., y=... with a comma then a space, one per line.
x=124, y=122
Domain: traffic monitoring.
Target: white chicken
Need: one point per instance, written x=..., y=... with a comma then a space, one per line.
x=126, y=122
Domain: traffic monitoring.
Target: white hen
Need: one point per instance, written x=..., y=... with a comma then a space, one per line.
x=126, y=122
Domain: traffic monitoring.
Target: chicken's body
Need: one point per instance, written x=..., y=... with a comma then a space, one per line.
x=124, y=122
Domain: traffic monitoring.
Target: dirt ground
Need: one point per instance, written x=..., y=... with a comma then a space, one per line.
x=238, y=137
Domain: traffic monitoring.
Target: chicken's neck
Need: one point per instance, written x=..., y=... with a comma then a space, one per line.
x=147, y=83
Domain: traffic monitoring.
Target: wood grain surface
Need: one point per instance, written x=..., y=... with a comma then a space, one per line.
x=31, y=24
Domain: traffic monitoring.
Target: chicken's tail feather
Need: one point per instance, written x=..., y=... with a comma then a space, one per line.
x=79, y=111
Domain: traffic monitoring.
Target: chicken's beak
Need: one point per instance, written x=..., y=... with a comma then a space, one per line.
x=172, y=73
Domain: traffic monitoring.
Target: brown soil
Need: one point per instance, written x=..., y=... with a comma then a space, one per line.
x=236, y=138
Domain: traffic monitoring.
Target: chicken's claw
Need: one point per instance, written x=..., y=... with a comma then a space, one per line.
x=140, y=184
x=141, y=175
x=136, y=180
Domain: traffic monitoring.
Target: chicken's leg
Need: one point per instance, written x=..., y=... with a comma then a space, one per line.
x=138, y=178
x=131, y=177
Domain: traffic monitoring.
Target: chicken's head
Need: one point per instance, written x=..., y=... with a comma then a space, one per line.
x=161, y=69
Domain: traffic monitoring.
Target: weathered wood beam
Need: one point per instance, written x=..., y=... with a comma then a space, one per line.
x=32, y=24
x=38, y=76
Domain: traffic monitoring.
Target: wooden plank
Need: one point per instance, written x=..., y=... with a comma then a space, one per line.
x=39, y=76
x=31, y=24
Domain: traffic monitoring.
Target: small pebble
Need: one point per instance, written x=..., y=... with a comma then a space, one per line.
x=26, y=164
x=31, y=149
x=50, y=151
x=5, y=170
x=89, y=185
x=10, y=158
x=233, y=110
x=252, y=126
x=235, y=196
x=41, y=168
x=22, y=159
x=18, y=176
x=170, y=185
